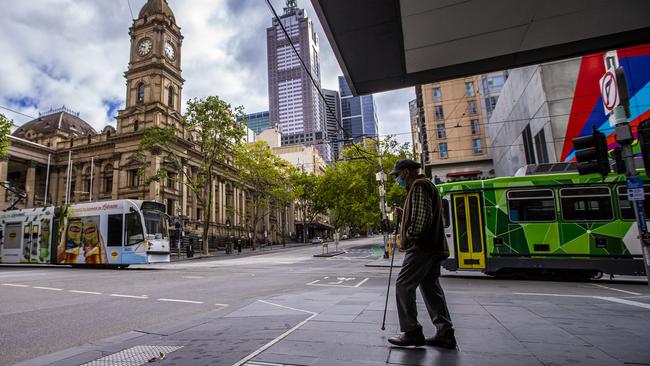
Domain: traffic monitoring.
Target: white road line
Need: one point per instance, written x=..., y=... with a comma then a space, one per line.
x=362, y=282
x=280, y=337
x=615, y=289
x=85, y=292
x=623, y=301
x=14, y=285
x=605, y=298
x=48, y=288
x=130, y=296
x=544, y=294
x=222, y=305
x=183, y=301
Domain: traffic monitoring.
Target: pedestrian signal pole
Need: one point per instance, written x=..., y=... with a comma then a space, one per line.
x=616, y=102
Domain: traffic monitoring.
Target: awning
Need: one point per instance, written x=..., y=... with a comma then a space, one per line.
x=461, y=174
x=390, y=44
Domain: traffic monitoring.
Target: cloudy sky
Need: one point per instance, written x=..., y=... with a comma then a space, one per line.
x=74, y=53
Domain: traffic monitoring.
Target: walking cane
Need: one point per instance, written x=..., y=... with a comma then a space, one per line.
x=390, y=273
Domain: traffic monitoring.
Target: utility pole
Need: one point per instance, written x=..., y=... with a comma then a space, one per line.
x=616, y=101
x=381, y=179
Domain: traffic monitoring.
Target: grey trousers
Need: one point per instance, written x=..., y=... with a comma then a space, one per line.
x=423, y=270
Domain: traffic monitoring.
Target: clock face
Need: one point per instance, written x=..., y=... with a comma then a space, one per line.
x=144, y=47
x=169, y=51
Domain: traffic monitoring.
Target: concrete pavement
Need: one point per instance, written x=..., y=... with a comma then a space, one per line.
x=336, y=321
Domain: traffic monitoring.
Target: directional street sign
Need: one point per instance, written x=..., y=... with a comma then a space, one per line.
x=609, y=91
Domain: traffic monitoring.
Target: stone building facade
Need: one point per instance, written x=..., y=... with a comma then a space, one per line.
x=104, y=165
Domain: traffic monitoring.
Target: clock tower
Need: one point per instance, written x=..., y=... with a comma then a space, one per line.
x=153, y=78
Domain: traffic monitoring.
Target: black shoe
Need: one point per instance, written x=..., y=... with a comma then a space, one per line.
x=445, y=339
x=412, y=338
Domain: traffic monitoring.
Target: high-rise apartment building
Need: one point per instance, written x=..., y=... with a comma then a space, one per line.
x=452, y=129
x=332, y=121
x=295, y=104
x=358, y=113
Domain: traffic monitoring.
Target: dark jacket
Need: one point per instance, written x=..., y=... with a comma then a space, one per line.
x=431, y=239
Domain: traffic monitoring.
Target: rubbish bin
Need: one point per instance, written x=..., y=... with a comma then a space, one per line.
x=190, y=249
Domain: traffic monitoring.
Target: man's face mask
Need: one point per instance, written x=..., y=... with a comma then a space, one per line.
x=401, y=181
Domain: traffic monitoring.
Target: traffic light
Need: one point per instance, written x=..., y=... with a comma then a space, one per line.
x=591, y=154
x=619, y=164
x=644, y=143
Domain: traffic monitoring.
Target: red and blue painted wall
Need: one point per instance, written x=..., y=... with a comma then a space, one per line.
x=587, y=110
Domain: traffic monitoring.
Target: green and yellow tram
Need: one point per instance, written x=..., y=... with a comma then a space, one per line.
x=552, y=223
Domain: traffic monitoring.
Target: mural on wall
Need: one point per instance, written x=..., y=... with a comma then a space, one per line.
x=587, y=110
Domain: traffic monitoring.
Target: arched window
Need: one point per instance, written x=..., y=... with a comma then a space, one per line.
x=141, y=93
x=170, y=96
x=136, y=125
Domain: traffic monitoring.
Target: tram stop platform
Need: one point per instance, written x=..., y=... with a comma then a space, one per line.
x=497, y=322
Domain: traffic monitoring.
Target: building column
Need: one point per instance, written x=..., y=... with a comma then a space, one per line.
x=184, y=190
x=154, y=187
x=4, y=166
x=97, y=180
x=214, y=211
x=53, y=186
x=116, y=179
x=30, y=184
x=222, y=204
x=194, y=202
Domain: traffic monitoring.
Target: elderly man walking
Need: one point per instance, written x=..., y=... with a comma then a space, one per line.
x=423, y=239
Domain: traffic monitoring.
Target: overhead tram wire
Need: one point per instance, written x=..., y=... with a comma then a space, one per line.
x=17, y=112
x=128, y=2
x=311, y=77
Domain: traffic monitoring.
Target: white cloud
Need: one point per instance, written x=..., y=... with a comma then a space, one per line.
x=74, y=53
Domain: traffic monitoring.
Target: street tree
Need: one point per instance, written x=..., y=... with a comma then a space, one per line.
x=350, y=189
x=215, y=131
x=5, y=130
x=265, y=175
x=310, y=203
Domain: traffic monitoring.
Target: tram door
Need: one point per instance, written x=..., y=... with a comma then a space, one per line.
x=468, y=225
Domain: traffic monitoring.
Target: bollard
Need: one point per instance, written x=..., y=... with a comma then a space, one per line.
x=325, y=248
x=239, y=245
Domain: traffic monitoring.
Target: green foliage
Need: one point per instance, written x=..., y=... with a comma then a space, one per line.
x=5, y=130
x=350, y=189
x=309, y=200
x=214, y=132
x=265, y=175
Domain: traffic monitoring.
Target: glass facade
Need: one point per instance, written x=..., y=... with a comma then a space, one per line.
x=357, y=113
x=257, y=122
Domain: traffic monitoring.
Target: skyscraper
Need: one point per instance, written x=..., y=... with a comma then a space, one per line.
x=358, y=113
x=332, y=121
x=257, y=122
x=295, y=105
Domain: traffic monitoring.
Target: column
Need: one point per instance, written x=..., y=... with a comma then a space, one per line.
x=194, y=201
x=97, y=180
x=30, y=184
x=116, y=179
x=53, y=186
x=184, y=190
x=235, y=206
x=4, y=165
x=213, y=212
x=222, y=202
x=78, y=185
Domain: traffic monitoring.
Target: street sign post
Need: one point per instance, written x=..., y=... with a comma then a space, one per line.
x=616, y=102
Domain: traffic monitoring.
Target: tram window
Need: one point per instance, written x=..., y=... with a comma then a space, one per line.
x=114, y=237
x=531, y=205
x=586, y=204
x=133, y=227
x=445, y=212
x=625, y=207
